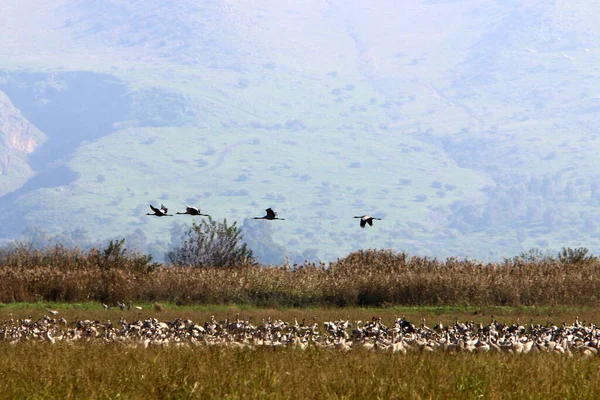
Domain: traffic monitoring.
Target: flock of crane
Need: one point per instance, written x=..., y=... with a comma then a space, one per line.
x=271, y=215
x=401, y=337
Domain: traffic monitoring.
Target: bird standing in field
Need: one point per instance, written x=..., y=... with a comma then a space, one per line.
x=366, y=219
x=271, y=215
x=162, y=212
x=193, y=211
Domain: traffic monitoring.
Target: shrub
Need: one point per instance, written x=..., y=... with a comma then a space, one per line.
x=211, y=244
x=116, y=256
x=575, y=256
x=532, y=255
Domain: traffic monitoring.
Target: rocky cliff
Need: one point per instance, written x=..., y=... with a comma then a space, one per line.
x=18, y=139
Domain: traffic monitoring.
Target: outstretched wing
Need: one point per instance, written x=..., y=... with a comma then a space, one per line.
x=165, y=209
x=156, y=210
x=362, y=223
x=271, y=213
x=192, y=210
x=370, y=221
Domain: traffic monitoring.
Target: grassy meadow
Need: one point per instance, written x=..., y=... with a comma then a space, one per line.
x=364, y=285
x=264, y=107
x=110, y=371
x=98, y=370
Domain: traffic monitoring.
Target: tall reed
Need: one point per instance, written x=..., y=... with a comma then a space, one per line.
x=363, y=278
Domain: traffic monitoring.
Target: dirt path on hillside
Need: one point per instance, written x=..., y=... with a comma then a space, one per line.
x=222, y=153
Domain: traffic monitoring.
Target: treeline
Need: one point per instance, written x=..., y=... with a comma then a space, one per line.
x=258, y=237
x=546, y=203
x=363, y=278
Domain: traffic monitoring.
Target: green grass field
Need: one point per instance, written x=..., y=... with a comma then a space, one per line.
x=202, y=312
x=36, y=370
x=98, y=370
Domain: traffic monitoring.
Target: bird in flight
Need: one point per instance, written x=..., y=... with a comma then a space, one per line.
x=270, y=215
x=366, y=219
x=193, y=211
x=160, y=212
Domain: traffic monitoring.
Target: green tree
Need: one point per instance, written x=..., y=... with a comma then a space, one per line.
x=575, y=256
x=115, y=256
x=211, y=244
x=533, y=255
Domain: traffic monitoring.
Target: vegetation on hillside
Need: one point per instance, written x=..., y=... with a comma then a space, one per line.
x=479, y=140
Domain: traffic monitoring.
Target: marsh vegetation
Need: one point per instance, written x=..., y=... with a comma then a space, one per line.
x=365, y=278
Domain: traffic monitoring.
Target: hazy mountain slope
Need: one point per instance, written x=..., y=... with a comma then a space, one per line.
x=469, y=126
x=18, y=139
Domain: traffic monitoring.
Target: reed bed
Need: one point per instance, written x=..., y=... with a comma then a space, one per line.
x=364, y=278
x=97, y=370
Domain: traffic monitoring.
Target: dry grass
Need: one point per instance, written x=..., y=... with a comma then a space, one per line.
x=538, y=289
x=101, y=371
x=364, y=278
x=98, y=370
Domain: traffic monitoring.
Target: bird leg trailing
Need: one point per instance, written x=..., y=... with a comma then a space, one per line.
x=271, y=215
x=366, y=219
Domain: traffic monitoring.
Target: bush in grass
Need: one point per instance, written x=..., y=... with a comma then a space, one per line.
x=212, y=244
x=116, y=256
x=575, y=256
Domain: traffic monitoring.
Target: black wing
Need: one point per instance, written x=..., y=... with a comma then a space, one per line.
x=362, y=223
x=370, y=221
x=271, y=213
x=156, y=210
x=192, y=210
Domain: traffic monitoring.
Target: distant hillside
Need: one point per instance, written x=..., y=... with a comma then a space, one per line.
x=18, y=139
x=469, y=127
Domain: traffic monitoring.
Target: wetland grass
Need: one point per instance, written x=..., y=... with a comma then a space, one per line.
x=96, y=370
